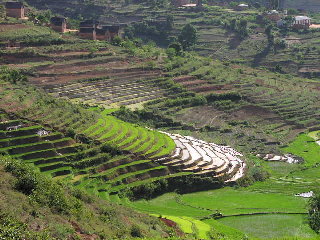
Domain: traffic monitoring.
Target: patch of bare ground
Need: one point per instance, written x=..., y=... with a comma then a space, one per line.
x=66, y=69
x=201, y=116
x=192, y=83
x=81, y=234
x=254, y=112
x=209, y=115
x=20, y=59
x=173, y=225
x=76, y=53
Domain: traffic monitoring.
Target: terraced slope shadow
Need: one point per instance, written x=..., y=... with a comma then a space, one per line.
x=90, y=167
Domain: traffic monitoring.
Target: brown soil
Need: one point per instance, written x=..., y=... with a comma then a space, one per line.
x=81, y=234
x=184, y=78
x=173, y=225
x=9, y=27
x=251, y=111
x=192, y=83
x=63, y=79
x=74, y=68
x=75, y=53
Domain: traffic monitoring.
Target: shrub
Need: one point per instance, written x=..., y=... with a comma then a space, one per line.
x=314, y=213
x=41, y=189
x=13, y=229
x=12, y=75
x=136, y=231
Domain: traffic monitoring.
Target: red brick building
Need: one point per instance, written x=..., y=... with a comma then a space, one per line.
x=108, y=32
x=15, y=9
x=88, y=30
x=59, y=24
x=301, y=22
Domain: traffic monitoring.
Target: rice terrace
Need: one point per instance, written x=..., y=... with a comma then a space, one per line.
x=158, y=119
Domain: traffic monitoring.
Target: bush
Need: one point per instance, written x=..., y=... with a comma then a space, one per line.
x=41, y=189
x=136, y=231
x=314, y=213
x=12, y=75
x=13, y=229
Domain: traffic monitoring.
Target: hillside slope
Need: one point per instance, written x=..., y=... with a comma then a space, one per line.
x=35, y=207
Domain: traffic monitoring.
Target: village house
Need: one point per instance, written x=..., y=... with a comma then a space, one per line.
x=241, y=7
x=88, y=30
x=108, y=32
x=273, y=15
x=15, y=9
x=59, y=24
x=187, y=3
x=180, y=3
x=301, y=22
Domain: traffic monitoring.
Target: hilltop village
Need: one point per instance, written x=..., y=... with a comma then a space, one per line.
x=143, y=119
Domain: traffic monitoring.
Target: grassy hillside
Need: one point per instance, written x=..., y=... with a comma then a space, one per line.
x=35, y=207
x=75, y=90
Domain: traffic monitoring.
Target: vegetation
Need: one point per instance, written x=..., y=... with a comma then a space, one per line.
x=61, y=212
x=96, y=102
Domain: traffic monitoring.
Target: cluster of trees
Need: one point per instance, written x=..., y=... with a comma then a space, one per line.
x=152, y=3
x=182, y=184
x=157, y=31
x=238, y=26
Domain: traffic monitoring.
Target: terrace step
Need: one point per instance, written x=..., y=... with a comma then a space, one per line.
x=19, y=132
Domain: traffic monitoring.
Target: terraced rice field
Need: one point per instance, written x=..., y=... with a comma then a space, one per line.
x=62, y=157
x=108, y=81
x=34, y=144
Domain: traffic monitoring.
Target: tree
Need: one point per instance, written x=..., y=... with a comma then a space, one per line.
x=177, y=47
x=188, y=36
x=242, y=28
x=314, y=213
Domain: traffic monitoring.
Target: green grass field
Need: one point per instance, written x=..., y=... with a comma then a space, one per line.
x=230, y=201
x=271, y=226
x=306, y=147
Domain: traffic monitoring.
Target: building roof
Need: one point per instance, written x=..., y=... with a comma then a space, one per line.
x=102, y=29
x=190, y=5
x=57, y=20
x=273, y=12
x=299, y=18
x=14, y=5
x=88, y=23
x=243, y=5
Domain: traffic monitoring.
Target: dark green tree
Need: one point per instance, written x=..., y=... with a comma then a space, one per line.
x=188, y=36
x=314, y=213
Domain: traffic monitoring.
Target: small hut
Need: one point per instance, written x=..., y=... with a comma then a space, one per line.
x=301, y=22
x=273, y=15
x=241, y=7
x=14, y=9
x=180, y=3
